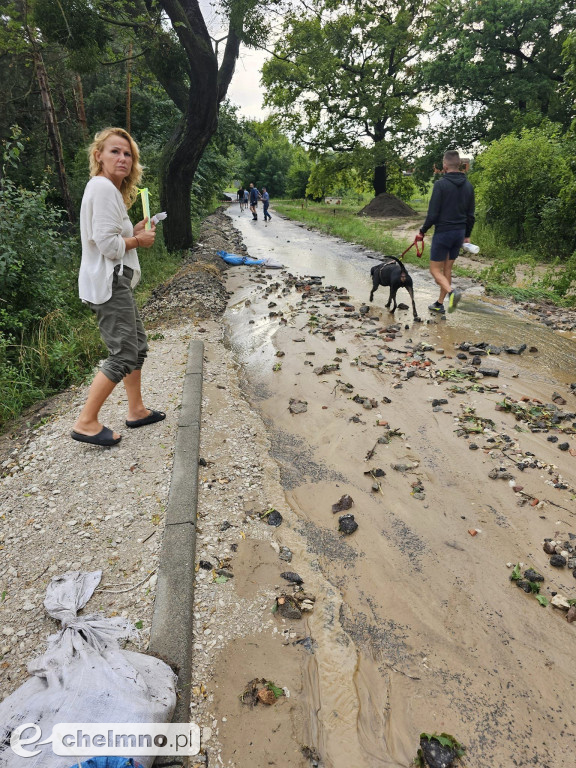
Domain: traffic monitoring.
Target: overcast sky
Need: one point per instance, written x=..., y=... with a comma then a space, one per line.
x=245, y=89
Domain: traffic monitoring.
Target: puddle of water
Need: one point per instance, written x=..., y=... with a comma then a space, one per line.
x=344, y=264
x=412, y=634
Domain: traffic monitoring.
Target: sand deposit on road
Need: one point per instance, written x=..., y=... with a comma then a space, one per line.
x=409, y=624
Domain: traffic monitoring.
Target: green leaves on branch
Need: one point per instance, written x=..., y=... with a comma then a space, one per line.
x=343, y=77
x=526, y=185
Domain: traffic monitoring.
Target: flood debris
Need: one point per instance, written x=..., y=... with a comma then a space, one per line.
x=292, y=577
x=469, y=422
x=287, y=607
x=344, y=503
x=272, y=517
x=418, y=490
x=537, y=415
x=439, y=751
x=347, y=524
x=312, y=755
x=298, y=406
x=328, y=368
x=500, y=473
x=261, y=691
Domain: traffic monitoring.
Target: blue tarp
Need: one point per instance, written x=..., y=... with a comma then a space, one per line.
x=231, y=258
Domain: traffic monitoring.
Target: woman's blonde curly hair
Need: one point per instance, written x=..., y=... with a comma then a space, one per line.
x=129, y=186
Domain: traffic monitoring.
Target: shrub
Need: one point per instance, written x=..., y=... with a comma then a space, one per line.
x=34, y=246
x=526, y=187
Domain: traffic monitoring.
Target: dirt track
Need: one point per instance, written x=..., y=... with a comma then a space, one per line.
x=416, y=626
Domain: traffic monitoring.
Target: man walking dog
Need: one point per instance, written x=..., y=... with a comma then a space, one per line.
x=451, y=212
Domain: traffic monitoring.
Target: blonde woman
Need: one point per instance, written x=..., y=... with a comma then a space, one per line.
x=109, y=271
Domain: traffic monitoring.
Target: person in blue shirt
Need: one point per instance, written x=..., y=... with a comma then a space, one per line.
x=266, y=204
x=254, y=197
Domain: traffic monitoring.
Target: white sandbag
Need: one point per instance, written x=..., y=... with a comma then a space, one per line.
x=271, y=263
x=84, y=677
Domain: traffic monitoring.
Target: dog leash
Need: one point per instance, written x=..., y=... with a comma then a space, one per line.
x=418, y=251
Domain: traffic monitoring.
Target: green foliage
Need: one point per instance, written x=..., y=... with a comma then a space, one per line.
x=334, y=174
x=32, y=249
x=298, y=175
x=278, y=692
x=268, y=156
x=77, y=23
x=526, y=187
x=343, y=78
x=446, y=740
x=542, y=600
x=516, y=573
x=496, y=66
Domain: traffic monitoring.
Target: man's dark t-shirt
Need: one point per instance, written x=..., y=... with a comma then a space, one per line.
x=451, y=205
x=254, y=195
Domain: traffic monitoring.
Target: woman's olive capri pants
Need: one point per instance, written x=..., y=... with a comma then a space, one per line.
x=121, y=329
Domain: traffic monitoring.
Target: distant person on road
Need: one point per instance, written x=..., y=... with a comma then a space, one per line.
x=109, y=271
x=451, y=213
x=266, y=203
x=254, y=197
x=246, y=197
x=240, y=195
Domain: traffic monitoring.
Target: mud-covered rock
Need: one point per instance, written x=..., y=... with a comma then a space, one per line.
x=344, y=503
x=436, y=755
x=347, y=524
x=558, y=561
x=499, y=473
x=288, y=608
x=533, y=575
x=292, y=577
x=285, y=554
x=274, y=518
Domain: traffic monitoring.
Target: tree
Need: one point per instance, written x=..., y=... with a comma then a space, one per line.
x=496, y=65
x=343, y=78
x=526, y=185
x=18, y=37
x=173, y=37
x=268, y=156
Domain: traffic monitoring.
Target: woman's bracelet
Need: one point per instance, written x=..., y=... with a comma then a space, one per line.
x=137, y=241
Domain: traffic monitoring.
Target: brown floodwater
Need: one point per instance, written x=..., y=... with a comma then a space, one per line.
x=416, y=625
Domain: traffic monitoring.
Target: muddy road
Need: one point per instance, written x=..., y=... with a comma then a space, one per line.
x=454, y=476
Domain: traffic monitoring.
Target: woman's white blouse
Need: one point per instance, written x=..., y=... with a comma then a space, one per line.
x=104, y=223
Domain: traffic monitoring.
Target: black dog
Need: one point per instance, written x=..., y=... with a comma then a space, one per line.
x=394, y=274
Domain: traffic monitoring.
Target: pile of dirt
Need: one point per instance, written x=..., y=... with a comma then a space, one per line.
x=197, y=289
x=387, y=206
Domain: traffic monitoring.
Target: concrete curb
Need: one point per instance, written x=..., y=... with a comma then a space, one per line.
x=171, y=632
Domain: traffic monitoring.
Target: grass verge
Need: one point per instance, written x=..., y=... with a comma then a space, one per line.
x=500, y=269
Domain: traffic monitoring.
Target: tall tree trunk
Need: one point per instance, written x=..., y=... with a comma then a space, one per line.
x=179, y=162
x=80, y=109
x=198, y=101
x=380, y=180
x=128, y=90
x=51, y=123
